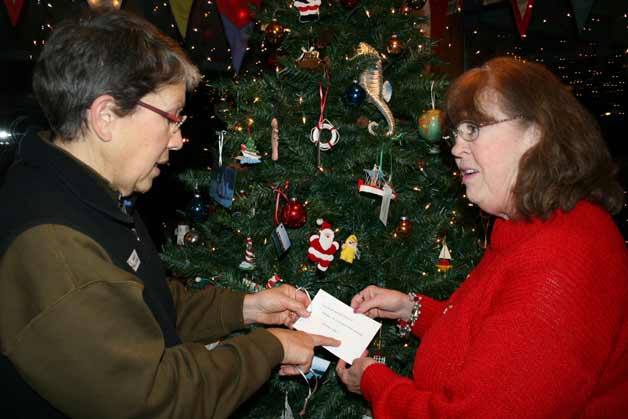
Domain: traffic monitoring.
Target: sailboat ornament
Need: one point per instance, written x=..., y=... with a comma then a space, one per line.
x=444, y=259
x=374, y=182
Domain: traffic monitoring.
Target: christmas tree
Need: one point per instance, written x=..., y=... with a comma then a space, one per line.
x=337, y=121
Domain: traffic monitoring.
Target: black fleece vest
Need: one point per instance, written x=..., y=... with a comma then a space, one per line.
x=47, y=186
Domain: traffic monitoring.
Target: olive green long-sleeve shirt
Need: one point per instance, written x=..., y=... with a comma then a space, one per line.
x=79, y=332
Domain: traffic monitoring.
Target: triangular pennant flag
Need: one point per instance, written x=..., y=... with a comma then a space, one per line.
x=205, y=39
x=238, y=41
x=238, y=11
x=438, y=18
x=116, y=4
x=582, y=9
x=454, y=6
x=15, y=9
x=523, y=13
x=181, y=12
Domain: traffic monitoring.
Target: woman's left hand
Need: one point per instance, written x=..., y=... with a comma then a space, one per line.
x=352, y=376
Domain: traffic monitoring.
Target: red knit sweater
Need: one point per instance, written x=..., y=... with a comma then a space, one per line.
x=538, y=330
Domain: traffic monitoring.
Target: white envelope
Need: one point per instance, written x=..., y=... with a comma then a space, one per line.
x=331, y=317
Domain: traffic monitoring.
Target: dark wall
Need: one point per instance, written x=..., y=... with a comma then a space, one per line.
x=593, y=61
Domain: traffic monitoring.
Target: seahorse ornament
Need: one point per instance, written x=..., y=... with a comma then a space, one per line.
x=372, y=81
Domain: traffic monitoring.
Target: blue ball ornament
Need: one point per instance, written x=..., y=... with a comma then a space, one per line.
x=355, y=94
x=197, y=208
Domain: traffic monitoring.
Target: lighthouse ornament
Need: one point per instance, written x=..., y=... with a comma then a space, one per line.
x=248, y=264
x=309, y=10
x=444, y=259
x=273, y=281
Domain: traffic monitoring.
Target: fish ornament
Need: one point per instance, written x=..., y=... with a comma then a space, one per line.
x=372, y=81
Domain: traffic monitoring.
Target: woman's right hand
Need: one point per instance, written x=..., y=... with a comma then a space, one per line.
x=376, y=302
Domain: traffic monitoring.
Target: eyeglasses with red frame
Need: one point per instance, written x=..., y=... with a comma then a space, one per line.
x=174, y=120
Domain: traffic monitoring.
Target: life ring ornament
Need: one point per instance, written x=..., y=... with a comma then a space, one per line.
x=315, y=136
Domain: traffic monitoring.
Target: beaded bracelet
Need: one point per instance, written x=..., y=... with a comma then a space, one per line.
x=406, y=326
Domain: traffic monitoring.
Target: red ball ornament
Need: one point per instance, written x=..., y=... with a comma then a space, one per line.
x=349, y=4
x=394, y=46
x=404, y=228
x=293, y=214
x=415, y=4
x=275, y=33
x=273, y=61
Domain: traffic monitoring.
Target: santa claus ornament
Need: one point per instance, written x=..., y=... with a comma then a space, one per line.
x=322, y=246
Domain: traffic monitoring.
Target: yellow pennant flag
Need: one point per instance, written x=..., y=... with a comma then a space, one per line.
x=181, y=12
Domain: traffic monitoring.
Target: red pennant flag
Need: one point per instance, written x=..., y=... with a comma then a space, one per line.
x=438, y=18
x=15, y=8
x=523, y=13
x=237, y=11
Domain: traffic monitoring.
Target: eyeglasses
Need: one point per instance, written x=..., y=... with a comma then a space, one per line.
x=469, y=131
x=174, y=120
